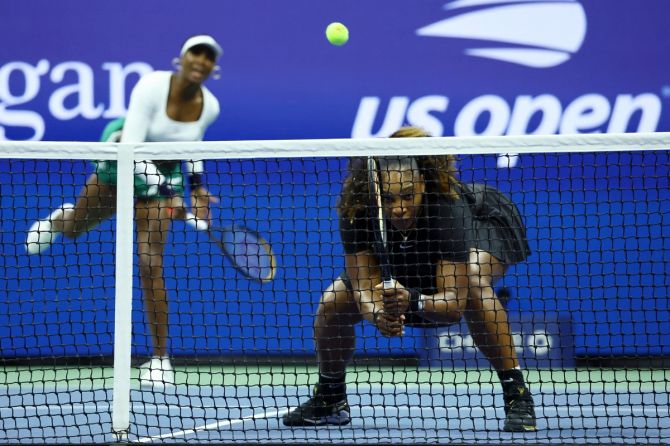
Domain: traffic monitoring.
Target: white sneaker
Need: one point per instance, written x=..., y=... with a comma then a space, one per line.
x=40, y=236
x=157, y=373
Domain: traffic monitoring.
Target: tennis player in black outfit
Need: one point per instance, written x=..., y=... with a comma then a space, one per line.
x=448, y=243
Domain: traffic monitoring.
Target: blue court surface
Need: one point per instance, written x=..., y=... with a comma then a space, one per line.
x=572, y=413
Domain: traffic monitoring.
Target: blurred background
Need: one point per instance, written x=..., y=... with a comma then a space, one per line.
x=459, y=67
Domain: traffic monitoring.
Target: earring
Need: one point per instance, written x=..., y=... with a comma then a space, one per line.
x=216, y=73
x=176, y=64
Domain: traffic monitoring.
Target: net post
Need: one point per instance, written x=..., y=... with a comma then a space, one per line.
x=124, y=292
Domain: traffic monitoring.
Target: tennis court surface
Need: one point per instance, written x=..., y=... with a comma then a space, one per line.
x=437, y=407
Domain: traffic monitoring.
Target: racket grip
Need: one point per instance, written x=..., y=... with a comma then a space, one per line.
x=196, y=223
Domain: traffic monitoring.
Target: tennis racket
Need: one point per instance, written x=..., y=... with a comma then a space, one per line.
x=379, y=222
x=247, y=250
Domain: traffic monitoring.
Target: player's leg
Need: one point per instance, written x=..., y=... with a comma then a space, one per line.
x=335, y=344
x=152, y=218
x=95, y=203
x=484, y=313
x=489, y=327
x=334, y=332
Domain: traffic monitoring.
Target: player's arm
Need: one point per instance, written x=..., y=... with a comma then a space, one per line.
x=201, y=198
x=448, y=302
x=364, y=273
x=444, y=306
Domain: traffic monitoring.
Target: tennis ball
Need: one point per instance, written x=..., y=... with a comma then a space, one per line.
x=337, y=34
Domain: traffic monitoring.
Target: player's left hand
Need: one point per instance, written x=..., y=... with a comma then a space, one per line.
x=395, y=298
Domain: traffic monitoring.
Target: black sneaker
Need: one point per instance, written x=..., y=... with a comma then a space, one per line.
x=520, y=411
x=317, y=412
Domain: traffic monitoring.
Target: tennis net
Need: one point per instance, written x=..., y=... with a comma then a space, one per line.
x=81, y=347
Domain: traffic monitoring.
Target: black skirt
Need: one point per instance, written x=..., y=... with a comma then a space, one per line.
x=497, y=225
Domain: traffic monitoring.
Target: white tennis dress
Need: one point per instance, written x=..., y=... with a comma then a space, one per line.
x=147, y=121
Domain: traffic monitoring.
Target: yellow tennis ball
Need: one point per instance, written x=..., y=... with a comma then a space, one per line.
x=337, y=34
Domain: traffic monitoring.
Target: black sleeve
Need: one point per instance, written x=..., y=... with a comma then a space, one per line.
x=355, y=233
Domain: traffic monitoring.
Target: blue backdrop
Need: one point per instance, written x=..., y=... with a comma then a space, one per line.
x=459, y=67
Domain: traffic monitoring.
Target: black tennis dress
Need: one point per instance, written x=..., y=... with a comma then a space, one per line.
x=446, y=229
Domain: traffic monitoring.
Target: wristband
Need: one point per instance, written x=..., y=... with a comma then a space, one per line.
x=195, y=180
x=415, y=300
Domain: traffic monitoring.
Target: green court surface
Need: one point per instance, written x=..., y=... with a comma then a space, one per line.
x=592, y=380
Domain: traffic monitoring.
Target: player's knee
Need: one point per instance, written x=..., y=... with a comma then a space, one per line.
x=73, y=225
x=454, y=313
x=145, y=269
x=71, y=234
x=327, y=314
x=150, y=263
x=336, y=309
x=445, y=311
x=477, y=283
x=451, y=317
x=74, y=231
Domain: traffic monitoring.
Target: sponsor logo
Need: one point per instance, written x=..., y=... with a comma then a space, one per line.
x=537, y=343
x=533, y=33
x=493, y=115
x=72, y=97
x=530, y=33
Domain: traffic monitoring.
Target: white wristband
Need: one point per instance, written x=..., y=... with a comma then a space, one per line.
x=420, y=304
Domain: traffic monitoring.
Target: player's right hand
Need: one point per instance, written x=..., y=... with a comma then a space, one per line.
x=201, y=199
x=395, y=298
x=388, y=324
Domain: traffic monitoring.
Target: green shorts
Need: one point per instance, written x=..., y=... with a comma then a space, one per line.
x=106, y=172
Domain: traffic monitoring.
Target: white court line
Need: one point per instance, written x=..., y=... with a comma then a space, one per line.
x=59, y=408
x=214, y=425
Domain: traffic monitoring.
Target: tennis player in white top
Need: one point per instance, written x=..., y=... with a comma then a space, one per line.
x=164, y=106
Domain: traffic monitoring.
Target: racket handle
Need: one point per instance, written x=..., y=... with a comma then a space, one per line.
x=389, y=282
x=385, y=270
x=196, y=223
